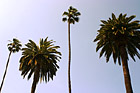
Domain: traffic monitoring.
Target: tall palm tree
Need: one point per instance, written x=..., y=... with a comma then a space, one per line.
x=71, y=18
x=13, y=47
x=39, y=61
x=119, y=37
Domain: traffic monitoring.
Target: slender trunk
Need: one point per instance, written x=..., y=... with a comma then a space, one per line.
x=5, y=71
x=35, y=80
x=127, y=78
x=69, y=60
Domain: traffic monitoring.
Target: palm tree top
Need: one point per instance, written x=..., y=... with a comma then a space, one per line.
x=71, y=15
x=117, y=32
x=15, y=45
x=43, y=57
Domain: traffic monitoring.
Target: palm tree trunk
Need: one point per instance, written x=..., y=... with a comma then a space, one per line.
x=5, y=71
x=69, y=60
x=127, y=78
x=35, y=79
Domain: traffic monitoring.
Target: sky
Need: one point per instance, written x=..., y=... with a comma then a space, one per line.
x=35, y=19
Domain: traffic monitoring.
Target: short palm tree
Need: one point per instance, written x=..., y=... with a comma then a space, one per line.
x=120, y=37
x=71, y=18
x=13, y=47
x=39, y=61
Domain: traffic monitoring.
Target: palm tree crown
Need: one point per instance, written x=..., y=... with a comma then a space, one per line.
x=14, y=46
x=71, y=15
x=40, y=60
x=117, y=32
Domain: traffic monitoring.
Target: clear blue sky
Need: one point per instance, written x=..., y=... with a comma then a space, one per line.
x=35, y=19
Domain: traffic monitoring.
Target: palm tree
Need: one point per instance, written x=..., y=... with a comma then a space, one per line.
x=119, y=37
x=13, y=47
x=71, y=18
x=39, y=61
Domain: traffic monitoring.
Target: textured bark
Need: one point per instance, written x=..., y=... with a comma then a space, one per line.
x=69, y=60
x=35, y=80
x=5, y=71
x=127, y=78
